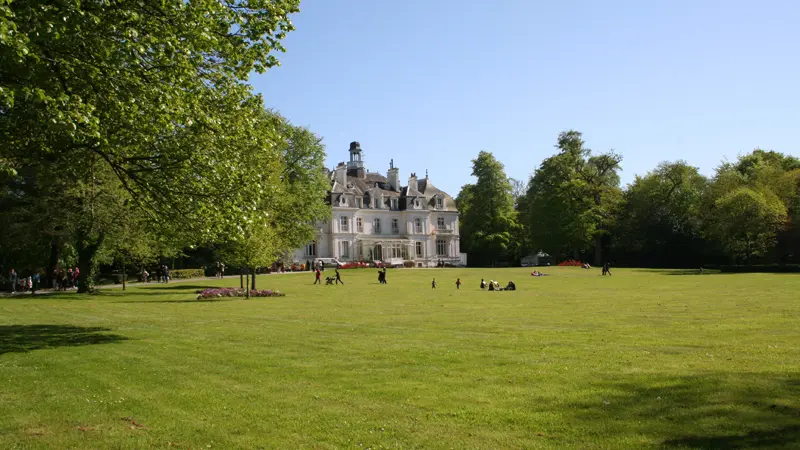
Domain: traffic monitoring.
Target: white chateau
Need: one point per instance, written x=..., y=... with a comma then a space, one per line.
x=376, y=219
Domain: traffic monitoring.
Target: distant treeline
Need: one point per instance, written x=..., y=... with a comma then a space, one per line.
x=573, y=207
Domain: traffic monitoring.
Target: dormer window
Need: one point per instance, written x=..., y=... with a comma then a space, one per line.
x=367, y=203
x=342, y=200
x=439, y=203
x=416, y=203
x=394, y=204
x=377, y=202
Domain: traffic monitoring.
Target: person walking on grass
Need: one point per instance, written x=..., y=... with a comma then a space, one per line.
x=433, y=284
x=338, y=277
x=458, y=283
x=317, y=273
x=606, y=269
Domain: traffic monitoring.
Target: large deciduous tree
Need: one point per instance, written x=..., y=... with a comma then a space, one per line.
x=487, y=215
x=746, y=222
x=659, y=222
x=572, y=199
x=143, y=102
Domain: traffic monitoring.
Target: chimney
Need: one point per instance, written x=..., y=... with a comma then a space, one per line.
x=393, y=177
x=340, y=174
x=412, y=182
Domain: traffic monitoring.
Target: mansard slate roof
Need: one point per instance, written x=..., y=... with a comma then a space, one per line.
x=374, y=183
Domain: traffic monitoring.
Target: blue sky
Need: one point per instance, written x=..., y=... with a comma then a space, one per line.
x=431, y=83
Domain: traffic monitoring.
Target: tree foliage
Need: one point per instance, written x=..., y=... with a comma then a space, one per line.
x=572, y=199
x=659, y=222
x=123, y=121
x=488, y=220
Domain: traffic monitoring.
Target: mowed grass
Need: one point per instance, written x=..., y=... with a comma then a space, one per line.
x=573, y=360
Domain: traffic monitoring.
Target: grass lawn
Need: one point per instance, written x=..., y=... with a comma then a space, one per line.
x=573, y=360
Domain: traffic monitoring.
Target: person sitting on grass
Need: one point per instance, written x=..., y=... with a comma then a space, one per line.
x=511, y=286
x=483, y=284
x=491, y=285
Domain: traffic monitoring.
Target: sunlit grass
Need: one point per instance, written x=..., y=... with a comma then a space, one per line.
x=573, y=360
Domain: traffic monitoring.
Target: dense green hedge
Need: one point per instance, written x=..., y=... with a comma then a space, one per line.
x=186, y=273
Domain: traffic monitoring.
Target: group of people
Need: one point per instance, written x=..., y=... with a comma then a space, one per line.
x=328, y=280
x=162, y=274
x=62, y=280
x=23, y=284
x=220, y=272
x=493, y=285
x=65, y=279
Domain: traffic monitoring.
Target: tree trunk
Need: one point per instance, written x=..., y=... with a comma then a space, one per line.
x=253, y=285
x=241, y=279
x=124, y=277
x=598, y=250
x=247, y=291
x=86, y=254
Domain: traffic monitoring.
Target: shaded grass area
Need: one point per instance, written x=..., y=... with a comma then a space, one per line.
x=573, y=360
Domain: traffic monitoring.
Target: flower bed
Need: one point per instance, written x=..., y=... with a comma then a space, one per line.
x=570, y=263
x=236, y=292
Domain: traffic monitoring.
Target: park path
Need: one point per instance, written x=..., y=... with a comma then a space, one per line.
x=135, y=284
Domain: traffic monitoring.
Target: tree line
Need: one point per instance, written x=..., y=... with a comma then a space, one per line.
x=573, y=207
x=130, y=134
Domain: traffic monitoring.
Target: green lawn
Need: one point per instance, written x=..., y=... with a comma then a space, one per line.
x=573, y=360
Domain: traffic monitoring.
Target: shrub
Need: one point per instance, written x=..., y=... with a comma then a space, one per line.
x=186, y=273
x=236, y=292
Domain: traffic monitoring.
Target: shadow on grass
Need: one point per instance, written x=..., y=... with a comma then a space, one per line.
x=186, y=300
x=760, y=410
x=785, y=437
x=24, y=338
x=681, y=272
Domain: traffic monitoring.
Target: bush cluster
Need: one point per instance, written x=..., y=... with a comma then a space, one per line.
x=181, y=274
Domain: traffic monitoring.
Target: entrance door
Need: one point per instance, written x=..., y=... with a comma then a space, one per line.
x=377, y=254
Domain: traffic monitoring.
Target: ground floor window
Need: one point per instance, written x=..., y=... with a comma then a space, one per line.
x=419, y=249
x=344, y=249
x=441, y=247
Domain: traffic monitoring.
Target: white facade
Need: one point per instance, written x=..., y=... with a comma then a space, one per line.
x=376, y=219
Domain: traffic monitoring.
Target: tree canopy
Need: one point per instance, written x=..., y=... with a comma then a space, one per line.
x=124, y=121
